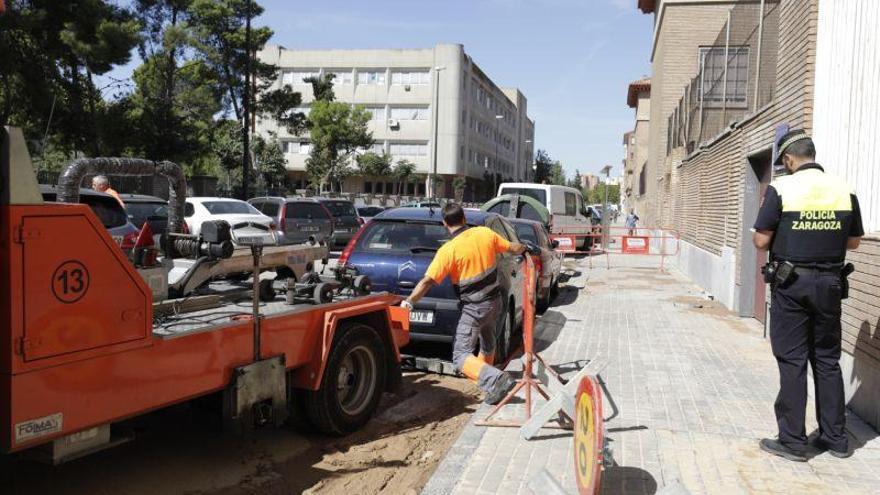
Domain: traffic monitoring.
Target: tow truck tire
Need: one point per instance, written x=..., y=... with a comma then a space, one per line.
x=267, y=290
x=323, y=293
x=352, y=384
x=362, y=285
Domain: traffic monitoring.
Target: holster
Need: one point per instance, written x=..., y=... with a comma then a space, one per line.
x=844, y=279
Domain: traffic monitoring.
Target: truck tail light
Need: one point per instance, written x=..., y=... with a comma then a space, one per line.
x=145, y=252
x=346, y=253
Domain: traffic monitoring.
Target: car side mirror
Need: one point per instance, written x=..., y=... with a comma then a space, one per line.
x=554, y=244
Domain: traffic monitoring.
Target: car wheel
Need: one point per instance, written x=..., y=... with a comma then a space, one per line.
x=352, y=383
x=503, y=337
x=554, y=289
x=543, y=302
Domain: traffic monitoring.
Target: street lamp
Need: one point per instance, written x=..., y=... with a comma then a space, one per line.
x=436, y=113
x=607, y=171
x=495, y=175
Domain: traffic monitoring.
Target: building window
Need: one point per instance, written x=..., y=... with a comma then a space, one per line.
x=376, y=113
x=712, y=62
x=368, y=187
x=401, y=78
x=298, y=147
x=297, y=76
x=343, y=77
x=409, y=149
x=371, y=77
x=409, y=113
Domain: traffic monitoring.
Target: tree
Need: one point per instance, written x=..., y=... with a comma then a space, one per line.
x=270, y=161
x=374, y=164
x=458, y=185
x=322, y=87
x=543, y=163
x=557, y=174
x=576, y=180
x=597, y=194
x=50, y=53
x=403, y=169
x=337, y=130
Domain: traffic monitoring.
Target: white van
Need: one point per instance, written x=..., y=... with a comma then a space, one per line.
x=568, y=214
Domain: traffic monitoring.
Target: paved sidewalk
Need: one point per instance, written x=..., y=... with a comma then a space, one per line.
x=692, y=390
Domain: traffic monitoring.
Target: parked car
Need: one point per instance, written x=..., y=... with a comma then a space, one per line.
x=368, y=212
x=233, y=211
x=548, y=265
x=109, y=212
x=297, y=218
x=394, y=251
x=565, y=204
x=346, y=221
x=151, y=210
x=422, y=204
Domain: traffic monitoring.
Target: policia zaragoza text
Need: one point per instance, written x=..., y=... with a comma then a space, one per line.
x=808, y=220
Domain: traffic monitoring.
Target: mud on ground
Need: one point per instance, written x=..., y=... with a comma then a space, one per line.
x=178, y=451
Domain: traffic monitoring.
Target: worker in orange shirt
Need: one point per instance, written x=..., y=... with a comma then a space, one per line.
x=102, y=184
x=469, y=259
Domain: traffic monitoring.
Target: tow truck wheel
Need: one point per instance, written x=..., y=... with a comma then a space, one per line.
x=323, y=293
x=361, y=285
x=352, y=383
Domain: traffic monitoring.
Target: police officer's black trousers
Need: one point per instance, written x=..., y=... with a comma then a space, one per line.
x=805, y=326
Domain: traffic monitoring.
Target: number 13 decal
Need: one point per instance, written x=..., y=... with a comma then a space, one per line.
x=70, y=282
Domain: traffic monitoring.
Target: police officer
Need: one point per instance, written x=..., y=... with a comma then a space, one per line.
x=469, y=260
x=808, y=220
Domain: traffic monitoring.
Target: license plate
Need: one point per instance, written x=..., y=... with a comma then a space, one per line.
x=309, y=229
x=343, y=231
x=416, y=316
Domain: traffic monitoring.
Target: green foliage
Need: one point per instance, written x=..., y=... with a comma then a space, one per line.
x=49, y=53
x=597, y=194
x=322, y=87
x=575, y=181
x=543, y=163
x=557, y=174
x=270, y=161
x=337, y=130
x=403, y=170
x=374, y=164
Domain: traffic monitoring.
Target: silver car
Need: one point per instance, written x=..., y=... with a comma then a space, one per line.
x=297, y=219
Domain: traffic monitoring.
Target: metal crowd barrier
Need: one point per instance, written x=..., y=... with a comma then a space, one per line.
x=645, y=241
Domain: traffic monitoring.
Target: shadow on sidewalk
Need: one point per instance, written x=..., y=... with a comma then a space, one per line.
x=548, y=327
x=628, y=479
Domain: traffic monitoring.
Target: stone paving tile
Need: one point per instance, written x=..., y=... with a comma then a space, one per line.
x=690, y=392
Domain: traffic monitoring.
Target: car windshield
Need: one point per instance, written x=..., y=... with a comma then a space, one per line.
x=369, y=211
x=538, y=194
x=526, y=233
x=340, y=208
x=229, y=208
x=140, y=212
x=407, y=237
x=107, y=209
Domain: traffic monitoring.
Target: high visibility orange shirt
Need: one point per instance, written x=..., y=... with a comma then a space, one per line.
x=469, y=260
x=112, y=192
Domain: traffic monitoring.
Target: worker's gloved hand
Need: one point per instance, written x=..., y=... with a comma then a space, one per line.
x=406, y=304
x=531, y=248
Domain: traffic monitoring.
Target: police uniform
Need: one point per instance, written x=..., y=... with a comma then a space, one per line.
x=469, y=259
x=812, y=215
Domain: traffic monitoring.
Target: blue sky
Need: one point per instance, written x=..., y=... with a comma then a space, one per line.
x=572, y=59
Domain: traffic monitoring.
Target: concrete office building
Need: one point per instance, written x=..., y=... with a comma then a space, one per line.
x=481, y=132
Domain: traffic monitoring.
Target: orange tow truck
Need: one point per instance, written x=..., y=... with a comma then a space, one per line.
x=81, y=348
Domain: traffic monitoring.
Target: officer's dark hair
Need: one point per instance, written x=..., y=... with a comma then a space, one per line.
x=453, y=214
x=802, y=148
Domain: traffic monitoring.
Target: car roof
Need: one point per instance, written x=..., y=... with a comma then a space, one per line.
x=83, y=191
x=525, y=221
x=200, y=199
x=288, y=199
x=319, y=198
x=140, y=198
x=472, y=217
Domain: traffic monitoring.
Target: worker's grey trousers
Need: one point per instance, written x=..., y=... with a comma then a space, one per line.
x=477, y=326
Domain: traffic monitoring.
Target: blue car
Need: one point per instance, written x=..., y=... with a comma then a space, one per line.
x=394, y=251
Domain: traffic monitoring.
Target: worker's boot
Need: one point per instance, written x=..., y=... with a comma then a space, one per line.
x=776, y=447
x=818, y=444
x=503, y=385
